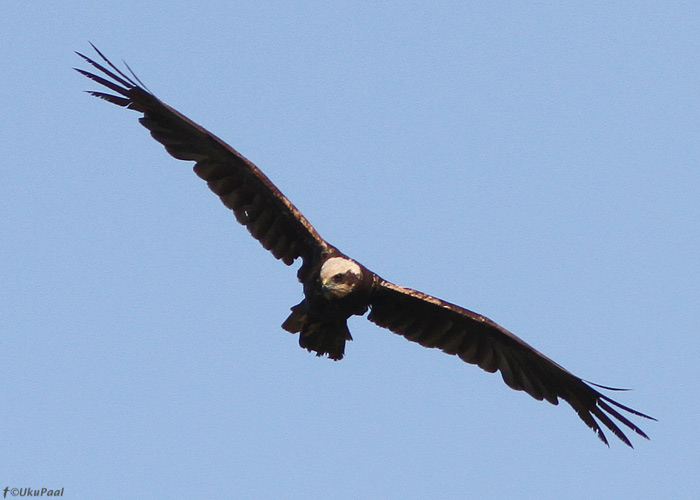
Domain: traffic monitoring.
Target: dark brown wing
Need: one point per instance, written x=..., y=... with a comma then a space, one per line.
x=257, y=203
x=435, y=323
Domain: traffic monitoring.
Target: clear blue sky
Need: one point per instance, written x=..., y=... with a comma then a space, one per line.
x=538, y=164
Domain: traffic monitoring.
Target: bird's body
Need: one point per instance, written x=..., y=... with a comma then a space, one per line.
x=336, y=287
x=333, y=291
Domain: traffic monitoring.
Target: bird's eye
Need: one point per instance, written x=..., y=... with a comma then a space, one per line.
x=337, y=278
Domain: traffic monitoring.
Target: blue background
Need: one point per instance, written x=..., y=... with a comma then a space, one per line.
x=534, y=162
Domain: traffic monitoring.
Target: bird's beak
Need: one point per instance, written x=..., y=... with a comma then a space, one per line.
x=325, y=289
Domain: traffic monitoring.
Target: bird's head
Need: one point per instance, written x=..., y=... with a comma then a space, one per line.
x=339, y=277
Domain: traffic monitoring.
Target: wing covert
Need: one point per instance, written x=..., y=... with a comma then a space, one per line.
x=476, y=339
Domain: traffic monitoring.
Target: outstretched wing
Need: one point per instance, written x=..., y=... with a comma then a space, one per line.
x=257, y=203
x=435, y=323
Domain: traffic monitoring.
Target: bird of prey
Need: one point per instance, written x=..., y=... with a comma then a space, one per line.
x=336, y=286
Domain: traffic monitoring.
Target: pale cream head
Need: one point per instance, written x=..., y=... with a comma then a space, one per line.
x=339, y=277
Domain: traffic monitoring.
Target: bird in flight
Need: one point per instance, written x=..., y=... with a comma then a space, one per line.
x=336, y=286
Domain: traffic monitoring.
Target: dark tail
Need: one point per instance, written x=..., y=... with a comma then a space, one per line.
x=321, y=338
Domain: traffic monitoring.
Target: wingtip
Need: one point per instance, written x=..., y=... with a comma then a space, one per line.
x=607, y=388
